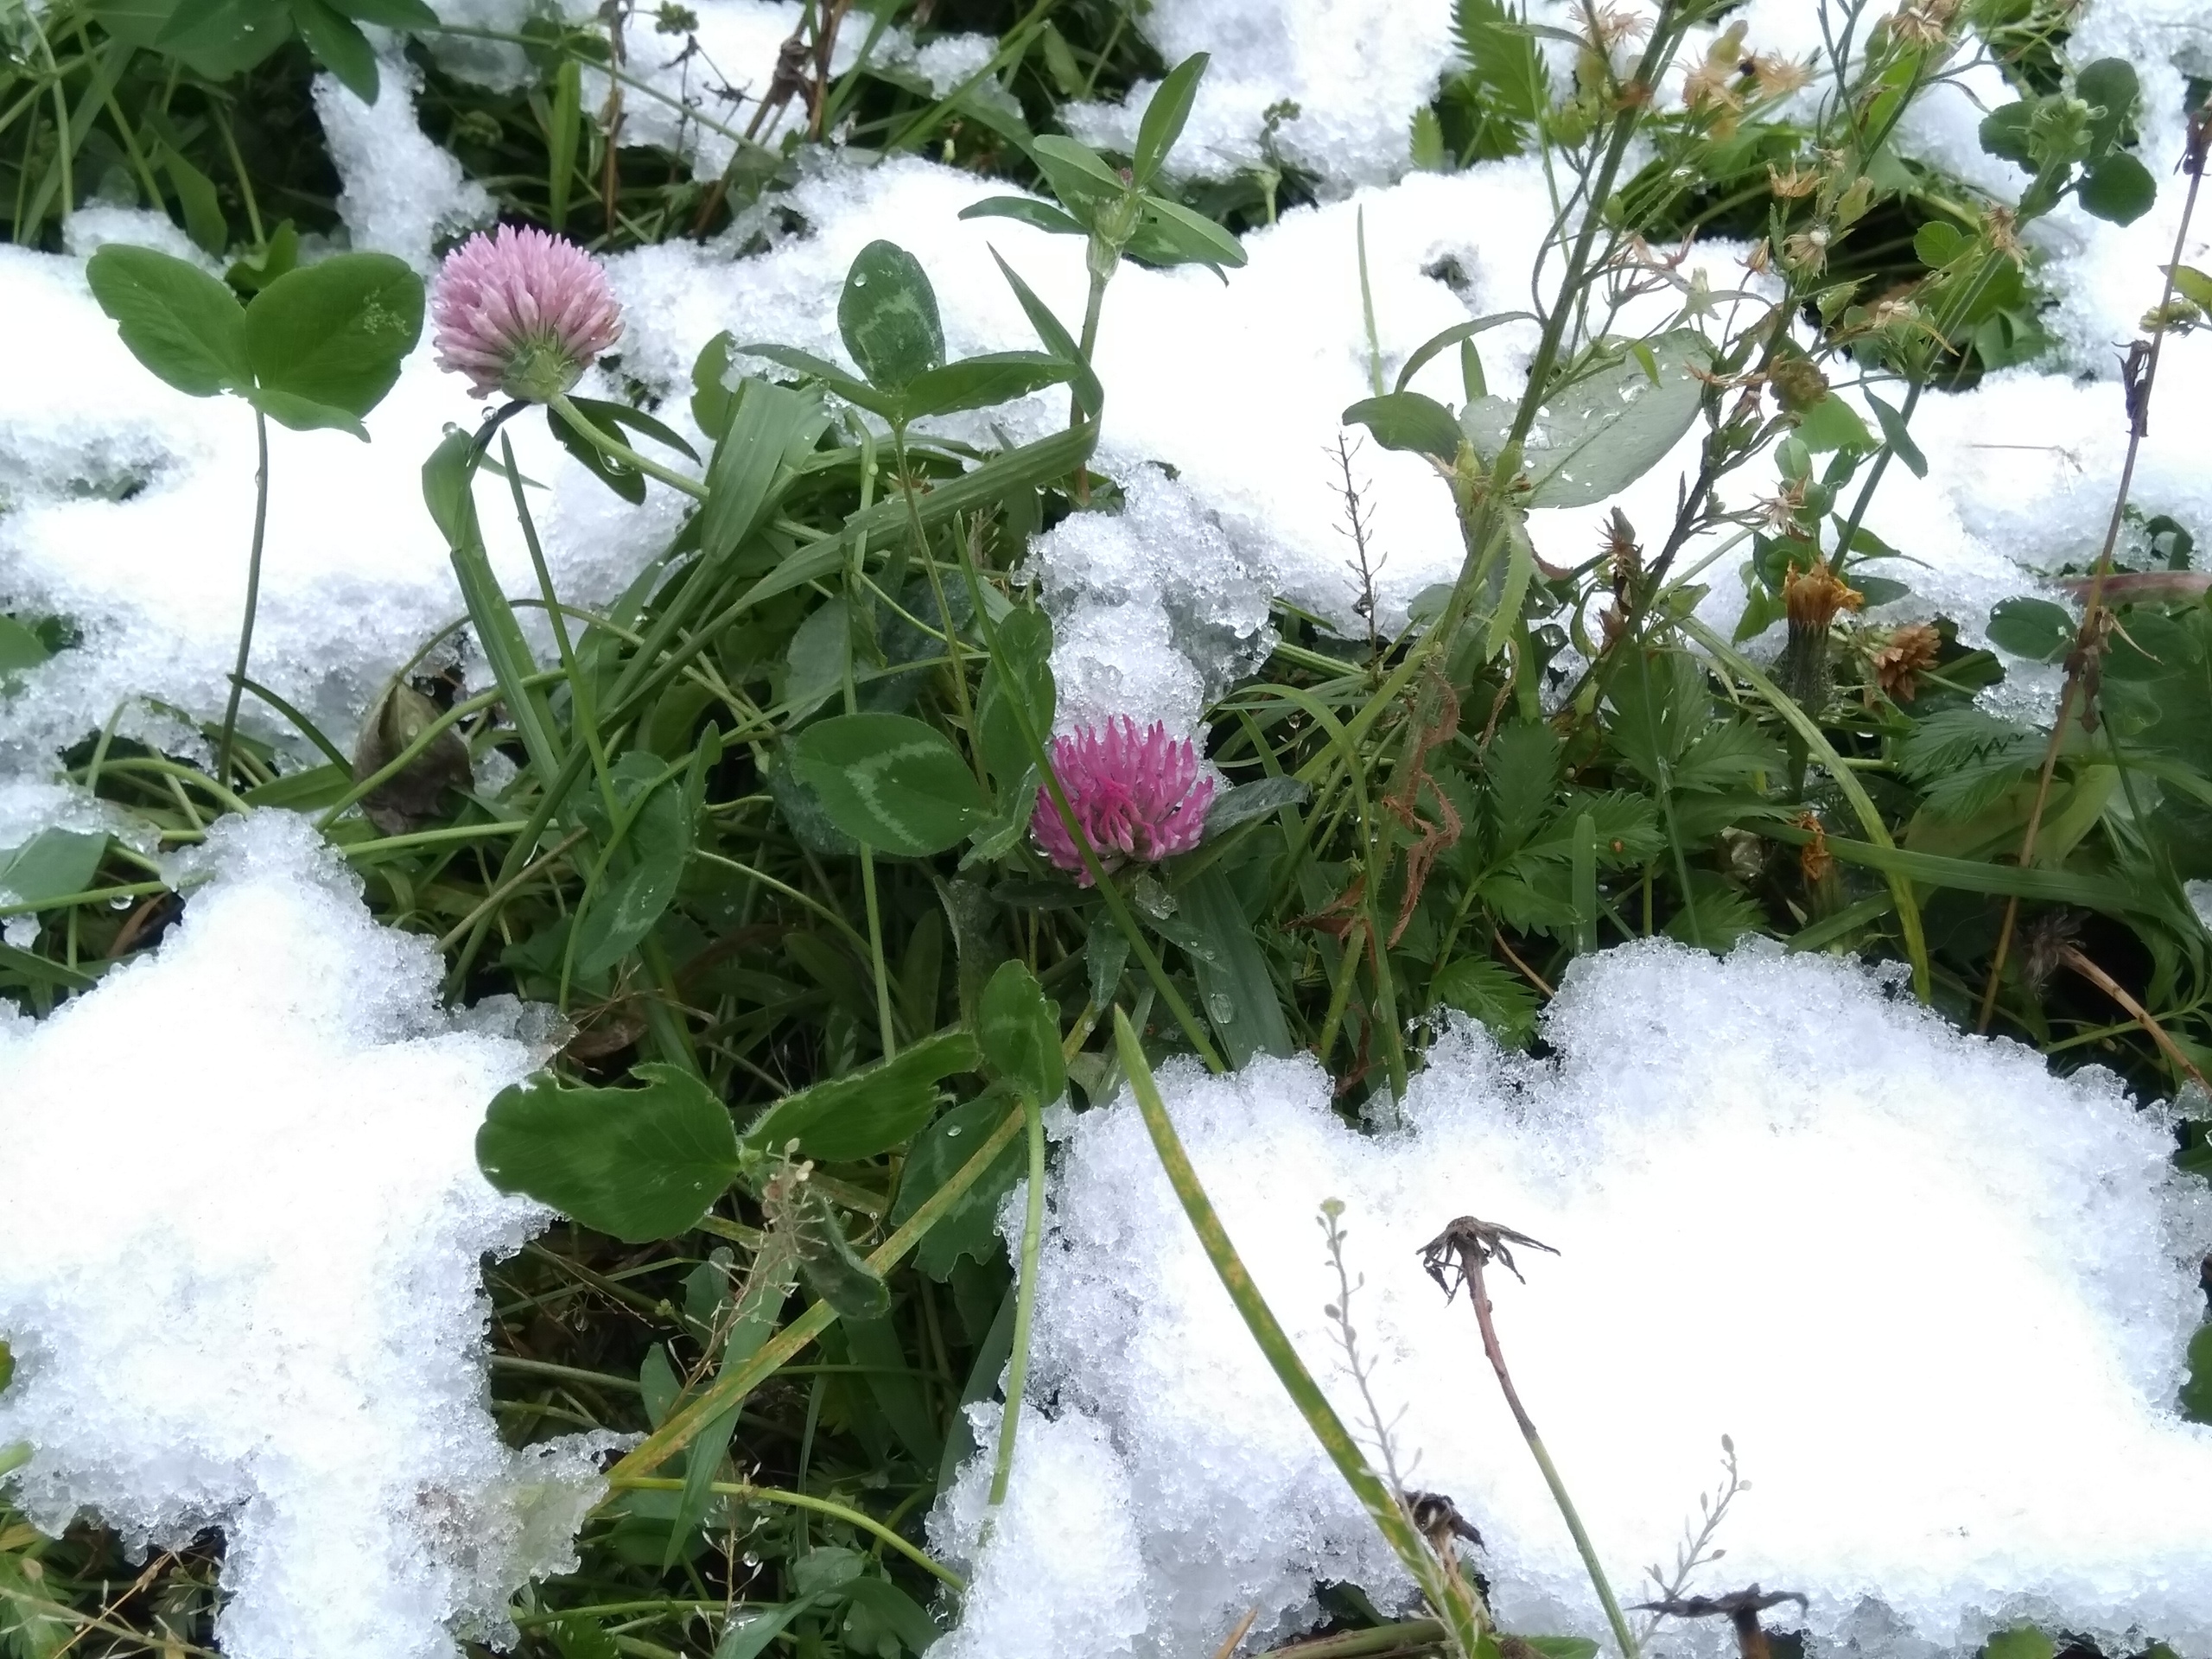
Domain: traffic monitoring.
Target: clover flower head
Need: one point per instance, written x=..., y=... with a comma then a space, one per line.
x=522, y=312
x=1137, y=795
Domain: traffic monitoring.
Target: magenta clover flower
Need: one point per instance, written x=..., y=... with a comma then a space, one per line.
x=1135, y=797
x=522, y=312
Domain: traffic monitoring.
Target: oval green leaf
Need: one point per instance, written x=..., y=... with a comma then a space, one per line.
x=334, y=334
x=892, y=782
x=639, y=1164
x=864, y=1113
x=887, y=315
x=182, y=324
x=1019, y=1030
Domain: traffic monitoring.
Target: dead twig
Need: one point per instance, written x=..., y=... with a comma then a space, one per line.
x=2139, y=372
x=1741, y=1608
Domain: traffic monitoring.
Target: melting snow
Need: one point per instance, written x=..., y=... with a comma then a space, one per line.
x=240, y=1268
x=1939, y=1297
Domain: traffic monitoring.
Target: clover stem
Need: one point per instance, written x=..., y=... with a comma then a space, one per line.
x=252, y=599
x=615, y=449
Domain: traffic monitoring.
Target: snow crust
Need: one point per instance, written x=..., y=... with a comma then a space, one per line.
x=1939, y=1297
x=1352, y=72
x=239, y=1252
x=403, y=195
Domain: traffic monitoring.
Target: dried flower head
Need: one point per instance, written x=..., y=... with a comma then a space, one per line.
x=1777, y=76
x=1812, y=597
x=2001, y=224
x=522, y=312
x=1900, y=657
x=1795, y=184
x=1709, y=88
x=1924, y=23
x=1814, y=861
x=1136, y=794
x=1807, y=250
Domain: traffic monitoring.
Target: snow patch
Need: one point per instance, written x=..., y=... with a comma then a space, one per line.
x=258, y=1307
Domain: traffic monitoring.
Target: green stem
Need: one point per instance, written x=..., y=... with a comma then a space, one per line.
x=1025, y=1301
x=615, y=449
x=735, y=1382
x=580, y=691
x=1447, y=1593
x=751, y=1494
x=253, y=597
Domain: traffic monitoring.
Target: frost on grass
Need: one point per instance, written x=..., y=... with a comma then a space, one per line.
x=1791, y=1207
x=258, y=1307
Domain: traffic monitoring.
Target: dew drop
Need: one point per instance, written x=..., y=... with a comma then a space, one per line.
x=1221, y=1008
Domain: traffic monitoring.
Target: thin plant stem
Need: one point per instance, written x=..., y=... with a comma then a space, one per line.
x=751, y=1494
x=2087, y=643
x=1470, y=1254
x=1449, y=1595
x=253, y=597
x=615, y=449
x=1025, y=1302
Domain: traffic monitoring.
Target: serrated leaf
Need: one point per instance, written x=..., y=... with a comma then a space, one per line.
x=892, y=782
x=639, y=1164
x=1502, y=1000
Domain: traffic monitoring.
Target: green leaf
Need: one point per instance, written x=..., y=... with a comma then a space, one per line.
x=335, y=333
x=578, y=1638
x=1900, y=440
x=1502, y=1000
x=882, y=1618
x=969, y=1228
x=1051, y=330
x=203, y=209
x=1018, y=1027
x=390, y=14
x=867, y=1112
x=2192, y=285
x=1239, y=995
x=1831, y=424
x=767, y=430
x=2026, y=1642
x=828, y=1265
x=2004, y=133
x=1600, y=434
x=2033, y=628
x=876, y=400
x=981, y=382
x=887, y=316
x=339, y=46
x=1938, y=242
x=1020, y=673
x=1162, y=124
x=2118, y=189
x=1563, y=1647
x=1408, y=421
x=2111, y=86
x=892, y=782
x=1040, y=214
x=750, y=1632
x=1261, y=798
x=639, y=1164
x=179, y=322
x=1173, y=235
x=1078, y=174
x=52, y=864
x=19, y=647
x=1457, y=335
x=215, y=38
x=658, y=844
